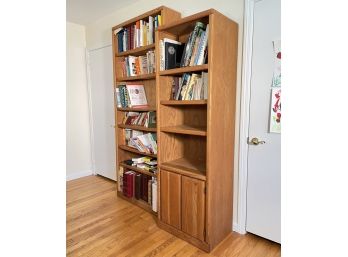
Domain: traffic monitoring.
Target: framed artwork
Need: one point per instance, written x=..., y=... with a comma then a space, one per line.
x=275, y=116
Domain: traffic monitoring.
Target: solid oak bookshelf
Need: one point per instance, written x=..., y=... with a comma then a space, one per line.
x=195, y=138
x=124, y=152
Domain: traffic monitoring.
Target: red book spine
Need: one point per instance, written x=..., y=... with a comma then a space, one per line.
x=132, y=37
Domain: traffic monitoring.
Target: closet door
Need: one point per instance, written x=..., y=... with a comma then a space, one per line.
x=193, y=207
x=171, y=198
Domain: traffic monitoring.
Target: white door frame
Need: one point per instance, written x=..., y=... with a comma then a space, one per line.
x=244, y=113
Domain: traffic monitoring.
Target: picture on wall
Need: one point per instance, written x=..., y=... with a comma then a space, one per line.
x=275, y=116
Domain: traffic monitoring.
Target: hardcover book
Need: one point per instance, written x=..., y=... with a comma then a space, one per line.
x=137, y=96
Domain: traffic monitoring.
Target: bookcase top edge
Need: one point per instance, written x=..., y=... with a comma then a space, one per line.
x=141, y=16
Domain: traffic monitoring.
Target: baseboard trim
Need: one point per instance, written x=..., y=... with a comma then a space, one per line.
x=238, y=229
x=79, y=174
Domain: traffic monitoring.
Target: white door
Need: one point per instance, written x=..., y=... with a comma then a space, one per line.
x=103, y=119
x=263, y=192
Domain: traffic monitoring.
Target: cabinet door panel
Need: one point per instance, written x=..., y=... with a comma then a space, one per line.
x=171, y=198
x=193, y=207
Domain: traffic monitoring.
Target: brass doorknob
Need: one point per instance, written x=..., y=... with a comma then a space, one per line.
x=256, y=141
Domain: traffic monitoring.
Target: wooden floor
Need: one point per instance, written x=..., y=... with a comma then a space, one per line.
x=100, y=224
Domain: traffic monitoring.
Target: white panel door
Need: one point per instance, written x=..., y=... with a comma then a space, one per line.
x=263, y=192
x=101, y=90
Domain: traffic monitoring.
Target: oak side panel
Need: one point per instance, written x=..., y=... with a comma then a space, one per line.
x=171, y=198
x=223, y=42
x=193, y=207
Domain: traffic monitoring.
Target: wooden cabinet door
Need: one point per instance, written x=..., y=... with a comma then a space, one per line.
x=193, y=207
x=171, y=198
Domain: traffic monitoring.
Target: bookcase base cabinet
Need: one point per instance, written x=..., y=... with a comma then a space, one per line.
x=183, y=207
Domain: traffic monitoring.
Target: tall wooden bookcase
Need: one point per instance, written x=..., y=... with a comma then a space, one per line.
x=195, y=137
x=124, y=152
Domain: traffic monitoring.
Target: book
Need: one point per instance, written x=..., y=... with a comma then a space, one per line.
x=203, y=48
x=118, y=97
x=154, y=195
x=172, y=53
x=137, y=96
x=151, y=120
x=137, y=186
x=144, y=185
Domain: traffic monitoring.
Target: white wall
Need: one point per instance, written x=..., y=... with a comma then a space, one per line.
x=98, y=34
x=78, y=145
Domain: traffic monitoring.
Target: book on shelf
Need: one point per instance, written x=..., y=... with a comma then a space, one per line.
x=145, y=163
x=128, y=183
x=195, y=49
x=138, y=65
x=137, y=96
x=138, y=34
x=129, y=95
x=145, y=143
x=145, y=119
x=190, y=87
x=170, y=53
x=154, y=194
x=140, y=187
x=137, y=186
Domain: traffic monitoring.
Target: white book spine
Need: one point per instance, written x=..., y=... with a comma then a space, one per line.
x=162, y=55
x=154, y=196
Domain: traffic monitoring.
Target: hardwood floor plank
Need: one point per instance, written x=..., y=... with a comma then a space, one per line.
x=101, y=224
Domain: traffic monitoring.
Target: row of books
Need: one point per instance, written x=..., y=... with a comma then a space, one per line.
x=141, y=33
x=139, y=186
x=145, y=162
x=146, y=119
x=129, y=95
x=138, y=65
x=190, y=86
x=174, y=54
x=146, y=143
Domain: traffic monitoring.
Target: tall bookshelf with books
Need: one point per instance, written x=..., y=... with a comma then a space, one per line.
x=134, y=59
x=196, y=97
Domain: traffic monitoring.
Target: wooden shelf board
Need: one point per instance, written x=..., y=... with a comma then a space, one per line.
x=184, y=102
x=136, y=51
x=138, y=77
x=134, y=150
x=135, y=109
x=136, y=127
x=138, y=170
x=182, y=70
x=141, y=17
x=140, y=203
x=188, y=19
x=185, y=129
x=186, y=167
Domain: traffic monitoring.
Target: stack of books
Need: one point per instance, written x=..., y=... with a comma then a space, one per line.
x=174, y=54
x=141, y=33
x=146, y=143
x=129, y=95
x=141, y=187
x=190, y=86
x=138, y=65
x=145, y=163
x=146, y=119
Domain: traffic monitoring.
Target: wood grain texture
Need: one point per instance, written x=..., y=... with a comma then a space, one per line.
x=171, y=198
x=148, y=80
x=222, y=59
x=193, y=207
x=100, y=224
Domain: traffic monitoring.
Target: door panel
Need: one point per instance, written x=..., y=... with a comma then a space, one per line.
x=101, y=89
x=171, y=198
x=263, y=192
x=193, y=207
